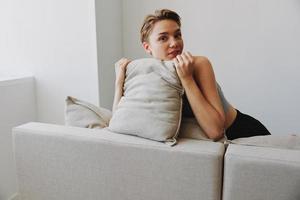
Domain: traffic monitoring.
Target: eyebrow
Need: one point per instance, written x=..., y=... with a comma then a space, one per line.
x=166, y=33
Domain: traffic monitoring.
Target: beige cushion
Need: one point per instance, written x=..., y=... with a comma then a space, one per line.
x=83, y=114
x=191, y=129
x=69, y=163
x=274, y=141
x=260, y=173
x=151, y=104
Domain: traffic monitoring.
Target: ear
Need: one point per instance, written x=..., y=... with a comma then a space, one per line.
x=147, y=47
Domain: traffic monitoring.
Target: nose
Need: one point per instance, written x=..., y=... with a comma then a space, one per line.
x=173, y=42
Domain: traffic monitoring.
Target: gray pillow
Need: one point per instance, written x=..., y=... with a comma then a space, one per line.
x=83, y=114
x=151, y=104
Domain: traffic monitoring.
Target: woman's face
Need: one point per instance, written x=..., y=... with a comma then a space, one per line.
x=165, y=41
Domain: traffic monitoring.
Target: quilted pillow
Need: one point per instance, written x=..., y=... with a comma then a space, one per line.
x=151, y=104
x=83, y=114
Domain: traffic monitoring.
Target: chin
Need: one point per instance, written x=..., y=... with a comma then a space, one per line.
x=164, y=58
x=171, y=57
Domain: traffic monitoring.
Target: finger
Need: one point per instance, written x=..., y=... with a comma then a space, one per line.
x=123, y=60
x=175, y=61
x=119, y=66
x=123, y=63
x=180, y=59
x=127, y=61
x=185, y=58
x=119, y=62
x=189, y=53
x=177, y=66
x=189, y=56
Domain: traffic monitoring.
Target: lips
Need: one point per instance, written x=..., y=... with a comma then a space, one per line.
x=174, y=53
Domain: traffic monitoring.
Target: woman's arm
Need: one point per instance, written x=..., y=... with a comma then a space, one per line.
x=120, y=69
x=198, y=79
x=117, y=97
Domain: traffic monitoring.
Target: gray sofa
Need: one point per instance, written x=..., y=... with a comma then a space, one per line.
x=67, y=163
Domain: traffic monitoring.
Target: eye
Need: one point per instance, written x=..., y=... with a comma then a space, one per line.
x=163, y=38
x=178, y=36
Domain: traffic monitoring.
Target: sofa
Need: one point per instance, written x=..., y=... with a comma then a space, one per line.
x=56, y=162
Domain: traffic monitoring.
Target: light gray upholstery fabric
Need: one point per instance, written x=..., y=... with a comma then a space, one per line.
x=70, y=163
x=190, y=128
x=83, y=114
x=260, y=173
x=274, y=141
x=151, y=104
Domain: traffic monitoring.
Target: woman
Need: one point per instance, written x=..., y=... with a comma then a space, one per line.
x=161, y=37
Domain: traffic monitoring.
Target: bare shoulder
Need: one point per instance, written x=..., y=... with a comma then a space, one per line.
x=202, y=62
x=201, y=59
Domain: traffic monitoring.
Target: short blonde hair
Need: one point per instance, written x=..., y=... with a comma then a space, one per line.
x=151, y=19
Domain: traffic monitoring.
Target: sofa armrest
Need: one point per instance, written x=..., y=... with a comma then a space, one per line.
x=255, y=173
x=59, y=162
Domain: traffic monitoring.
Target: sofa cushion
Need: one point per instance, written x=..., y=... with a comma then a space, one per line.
x=69, y=163
x=151, y=104
x=254, y=173
x=274, y=141
x=83, y=114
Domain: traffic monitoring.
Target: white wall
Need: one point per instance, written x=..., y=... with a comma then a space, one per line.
x=55, y=40
x=253, y=46
x=110, y=46
x=17, y=106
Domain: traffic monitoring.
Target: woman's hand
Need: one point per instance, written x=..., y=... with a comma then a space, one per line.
x=120, y=70
x=184, y=64
x=198, y=79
